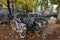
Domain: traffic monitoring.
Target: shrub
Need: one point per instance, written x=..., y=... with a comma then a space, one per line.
x=58, y=21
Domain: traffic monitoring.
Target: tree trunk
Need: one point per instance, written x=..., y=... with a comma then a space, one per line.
x=58, y=15
x=8, y=5
x=12, y=10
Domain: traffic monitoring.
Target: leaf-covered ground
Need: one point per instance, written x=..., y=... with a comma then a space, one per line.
x=7, y=33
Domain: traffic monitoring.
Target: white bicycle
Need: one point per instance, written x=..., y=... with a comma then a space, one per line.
x=21, y=27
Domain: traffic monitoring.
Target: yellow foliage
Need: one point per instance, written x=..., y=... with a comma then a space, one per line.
x=29, y=4
x=30, y=7
x=4, y=3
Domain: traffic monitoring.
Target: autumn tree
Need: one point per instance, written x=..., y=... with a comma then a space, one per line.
x=27, y=4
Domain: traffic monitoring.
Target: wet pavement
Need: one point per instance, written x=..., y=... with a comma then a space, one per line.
x=7, y=33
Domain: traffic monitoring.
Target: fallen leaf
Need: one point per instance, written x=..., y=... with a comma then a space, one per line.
x=5, y=37
x=10, y=33
x=7, y=28
x=4, y=25
x=14, y=28
x=38, y=35
x=33, y=36
x=58, y=36
x=16, y=37
x=1, y=35
x=29, y=37
x=43, y=37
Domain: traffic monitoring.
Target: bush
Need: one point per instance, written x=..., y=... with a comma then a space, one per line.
x=58, y=21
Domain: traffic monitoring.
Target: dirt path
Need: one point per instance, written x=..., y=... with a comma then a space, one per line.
x=7, y=33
